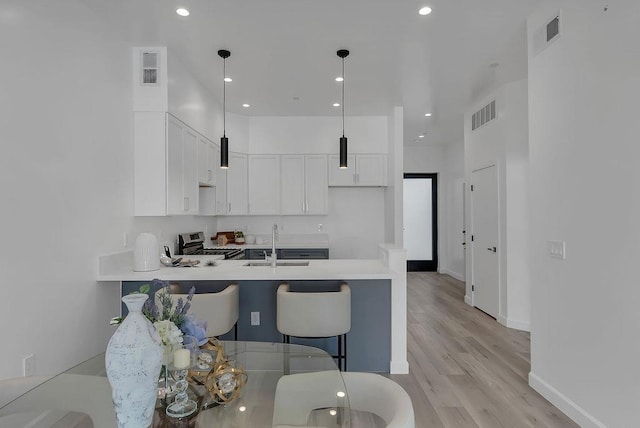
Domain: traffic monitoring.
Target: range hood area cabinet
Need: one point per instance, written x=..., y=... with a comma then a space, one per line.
x=363, y=170
x=264, y=185
x=303, y=185
x=237, y=184
x=166, y=165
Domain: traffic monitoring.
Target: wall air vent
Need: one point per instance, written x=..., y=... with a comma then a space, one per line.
x=150, y=68
x=484, y=115
x=553, y=28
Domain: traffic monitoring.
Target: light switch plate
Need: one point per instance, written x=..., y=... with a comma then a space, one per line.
x=255, y=318
x=556, y=249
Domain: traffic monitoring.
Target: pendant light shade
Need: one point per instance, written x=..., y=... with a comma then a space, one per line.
x=224, y=141
x=343, y=53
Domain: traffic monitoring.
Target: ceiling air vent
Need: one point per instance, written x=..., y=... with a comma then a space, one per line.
x=484, y=115
x=150, y=68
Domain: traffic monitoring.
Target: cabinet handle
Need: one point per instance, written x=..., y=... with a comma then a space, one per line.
x=229, y=206
x=354, y=178
x=210, y=174
x=303, y=209
x=186, y=204
x=358, y=178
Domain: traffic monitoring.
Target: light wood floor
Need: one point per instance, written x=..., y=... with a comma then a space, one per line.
x=466, y=370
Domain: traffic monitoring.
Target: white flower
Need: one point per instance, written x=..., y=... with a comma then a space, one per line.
x=171, y=339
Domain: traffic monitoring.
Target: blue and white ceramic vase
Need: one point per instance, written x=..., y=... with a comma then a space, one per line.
x=133, y=360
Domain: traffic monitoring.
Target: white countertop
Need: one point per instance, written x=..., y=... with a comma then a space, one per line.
x=234, y=270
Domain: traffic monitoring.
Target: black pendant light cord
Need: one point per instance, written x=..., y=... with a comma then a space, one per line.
x=224, y=97
x=343, y=80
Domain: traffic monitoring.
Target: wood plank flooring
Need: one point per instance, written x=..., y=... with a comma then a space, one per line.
x=466, y=370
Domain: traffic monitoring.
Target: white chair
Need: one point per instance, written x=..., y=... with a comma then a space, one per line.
x=299, y=394
x=370, y=392
x=316, y=315
x=220, y=310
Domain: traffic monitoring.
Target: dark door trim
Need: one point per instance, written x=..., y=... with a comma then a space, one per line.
x=428, y=265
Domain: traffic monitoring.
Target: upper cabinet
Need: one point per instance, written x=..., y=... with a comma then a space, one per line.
x=237, y=184
x=166, y=168
x=303, y=184
x=207, y=157
x=264, y=184
x=363, y=170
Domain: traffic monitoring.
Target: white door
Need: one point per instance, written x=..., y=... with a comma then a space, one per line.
x=264, y=184
x=316, y=185
x=237, y=184
x=484, y=244
x=292, y=184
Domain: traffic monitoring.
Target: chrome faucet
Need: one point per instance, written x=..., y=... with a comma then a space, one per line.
x=274, y=254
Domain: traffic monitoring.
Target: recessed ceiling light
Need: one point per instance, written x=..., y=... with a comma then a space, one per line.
x=245, y=105
x=333, y=412
x=182, y=11
x=336, y=104
x=421, y=136
x=339, y=79
x=228, y=79
x=425, y=10
x=427, y=114
x=242, y=408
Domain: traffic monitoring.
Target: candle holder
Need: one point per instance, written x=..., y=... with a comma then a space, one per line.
x=182, y=405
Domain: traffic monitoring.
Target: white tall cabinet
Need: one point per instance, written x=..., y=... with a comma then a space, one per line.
x=207, y=161
x=303, y=184
x=166, y=166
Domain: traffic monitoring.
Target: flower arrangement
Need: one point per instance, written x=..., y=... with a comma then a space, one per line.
x=171, y=319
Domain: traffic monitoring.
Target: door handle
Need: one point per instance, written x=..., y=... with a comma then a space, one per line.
x=492, y=249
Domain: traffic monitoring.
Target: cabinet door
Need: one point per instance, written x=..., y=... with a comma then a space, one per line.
x=237, y=184
x=222, y=207
x=303, y=253
x=189, y=171
x=316, y=185
x=206, y=162
x=264, y=184
x=292, y=184
x=174, y=166
x=371, y=170
x=339, y=176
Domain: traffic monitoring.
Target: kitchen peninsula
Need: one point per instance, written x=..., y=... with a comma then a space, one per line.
x=377, y=340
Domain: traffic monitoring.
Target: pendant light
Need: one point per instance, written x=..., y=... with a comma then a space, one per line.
x=343, y=53
x=224, y=141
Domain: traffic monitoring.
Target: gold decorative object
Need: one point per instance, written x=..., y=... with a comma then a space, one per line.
x=224, y=381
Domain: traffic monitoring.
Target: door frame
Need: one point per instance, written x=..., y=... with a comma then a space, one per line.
x=428, y=265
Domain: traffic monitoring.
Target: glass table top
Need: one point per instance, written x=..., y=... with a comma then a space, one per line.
x=287, y=385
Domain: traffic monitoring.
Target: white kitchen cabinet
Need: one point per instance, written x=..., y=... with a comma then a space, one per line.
x=363, y=170
x=206, y=161
x=165, y=165
x=264, y=184
x=237, y=184
x=221, y=205
x=303, y=184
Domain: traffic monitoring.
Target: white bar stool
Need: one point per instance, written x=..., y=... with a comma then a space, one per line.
x=316, y=315
x=220, y=310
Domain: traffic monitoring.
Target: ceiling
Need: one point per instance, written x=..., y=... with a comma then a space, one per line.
x=283, y=53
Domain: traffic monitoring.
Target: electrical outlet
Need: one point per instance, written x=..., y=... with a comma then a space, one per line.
x=319, y=227
x=255, y=318
x=29, y=365
x=557, y=249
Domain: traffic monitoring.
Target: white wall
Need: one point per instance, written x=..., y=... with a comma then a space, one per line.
x=503, y=142
x=67, y=164
x=583, y=107
x=394, y=193
x=453, y=262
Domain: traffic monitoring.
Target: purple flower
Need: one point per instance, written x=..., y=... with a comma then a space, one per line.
x=194, y=327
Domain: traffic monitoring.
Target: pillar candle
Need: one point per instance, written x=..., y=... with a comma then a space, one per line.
x=182, y=359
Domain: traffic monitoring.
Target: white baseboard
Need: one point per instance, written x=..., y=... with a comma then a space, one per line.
x=467, y=300
x=399, y=367
x=515, y=324
x=455, y=275
x=568, y=407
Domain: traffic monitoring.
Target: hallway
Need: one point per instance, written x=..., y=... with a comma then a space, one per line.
x=466, y=370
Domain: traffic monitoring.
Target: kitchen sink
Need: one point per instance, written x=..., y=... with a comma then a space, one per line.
x=278, y=264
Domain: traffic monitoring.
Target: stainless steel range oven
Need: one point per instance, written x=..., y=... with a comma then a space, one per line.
x=193, y=244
